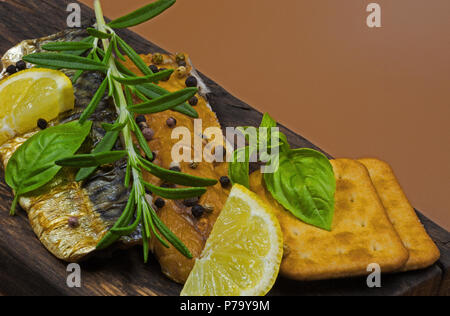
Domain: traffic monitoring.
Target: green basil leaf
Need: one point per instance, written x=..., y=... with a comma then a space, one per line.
x=98, y=96
x=175, y=194
x=92, y=160
x=106, y=144
x=98, y=34
x=67, y=46
x=164, y=102
x=304, y=184
x=33, y=164
x=142, y=15
x=147, y=79
x=175, y=176
x=239, y=167
x=64, y=61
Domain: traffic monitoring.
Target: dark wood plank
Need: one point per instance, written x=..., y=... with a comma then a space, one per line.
x=26, y=268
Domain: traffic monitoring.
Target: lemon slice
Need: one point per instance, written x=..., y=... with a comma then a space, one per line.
x=243, y=254
x=29, y=95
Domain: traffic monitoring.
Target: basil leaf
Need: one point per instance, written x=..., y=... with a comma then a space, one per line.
x=175, y=176
x=106, y=144
x=239, y=167
x=92, y=160
x=175, y=194
x=67, y=46
x=147, y=79
x=64, y=61
x=33, y=164
x=98, y=34
x=142, y=15
x=304, y=184
x=164, y=102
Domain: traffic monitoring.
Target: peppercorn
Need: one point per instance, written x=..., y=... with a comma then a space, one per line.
x=143, y=125
x=21, y=65
x=154, y=69
x=148, y=134
x=157, y=58
x=191, y=202
x=180, y=57
x=11, y=69
x=175, y=168
x=73, y=222
x=225, y=181
x=171, y=122
x=168, y=77
x=181, y=72
x=197, y=211
x=160, y=203
x=193, y=165
x=141, y=119
x=182, y=63
x=193, y=101
x=42, y=124
x=191, y=81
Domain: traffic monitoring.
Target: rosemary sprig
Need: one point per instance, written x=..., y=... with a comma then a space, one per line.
x=121, y=83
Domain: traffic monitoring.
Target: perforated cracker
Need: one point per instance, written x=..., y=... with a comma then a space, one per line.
x=361, y=233
x=422, y=250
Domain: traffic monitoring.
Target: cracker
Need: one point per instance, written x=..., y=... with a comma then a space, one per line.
x=422, y=250
x=361, y=233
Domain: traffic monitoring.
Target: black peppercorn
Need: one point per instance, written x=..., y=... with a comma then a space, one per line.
x=191, y=201
x=73, y=222
x=225, y=181
x=191, y=81
x=197, y=211
x=21, y=65
x=154, y=69
x=182, y=63
x=141, y=119
x=168, y=77
x=42, y=124
x=171, y=122
x=193, y=101
x=160, y=203
x=175, y=168
x=11, y=69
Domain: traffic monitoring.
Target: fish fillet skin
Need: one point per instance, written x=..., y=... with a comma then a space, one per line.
x=99, y=201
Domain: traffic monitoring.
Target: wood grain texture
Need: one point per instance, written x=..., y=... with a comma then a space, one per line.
x=26, y=268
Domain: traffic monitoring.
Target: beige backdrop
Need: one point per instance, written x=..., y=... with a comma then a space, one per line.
x=318, y=69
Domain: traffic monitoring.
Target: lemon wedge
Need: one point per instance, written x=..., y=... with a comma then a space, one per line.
x=242, y=256
x=30, y=95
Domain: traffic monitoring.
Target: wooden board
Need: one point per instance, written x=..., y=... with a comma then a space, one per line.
x=26, y=268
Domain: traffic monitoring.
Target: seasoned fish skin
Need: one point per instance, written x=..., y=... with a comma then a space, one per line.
x=50, y=207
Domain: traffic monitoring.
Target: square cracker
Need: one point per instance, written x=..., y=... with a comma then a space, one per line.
x=361, y=233
x=422, y=250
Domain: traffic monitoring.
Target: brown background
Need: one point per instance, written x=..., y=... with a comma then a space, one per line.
x=318, y=69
